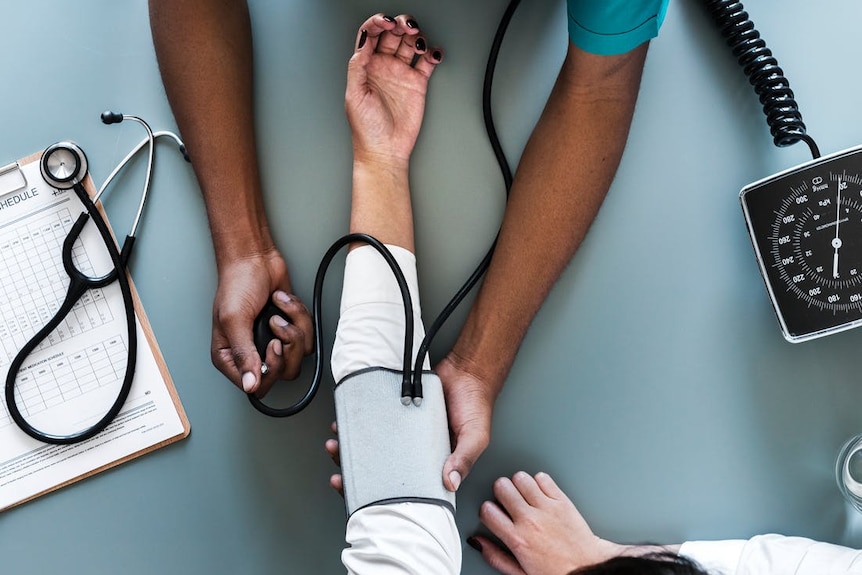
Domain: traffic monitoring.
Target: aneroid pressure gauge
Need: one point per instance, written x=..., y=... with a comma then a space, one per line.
x=806, y=228
x=805, y=223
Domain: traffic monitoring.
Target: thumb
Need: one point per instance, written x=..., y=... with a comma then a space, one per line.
x=244, y=355
x=470, y=442
x=356, y=67
x=495, y=556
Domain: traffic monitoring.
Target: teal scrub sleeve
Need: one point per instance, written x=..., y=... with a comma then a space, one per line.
x=609, y=27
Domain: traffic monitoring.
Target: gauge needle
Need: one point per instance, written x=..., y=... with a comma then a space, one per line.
x=836, y=243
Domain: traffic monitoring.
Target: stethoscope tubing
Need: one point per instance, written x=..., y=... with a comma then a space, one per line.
x=122, y=164
x=78, y=284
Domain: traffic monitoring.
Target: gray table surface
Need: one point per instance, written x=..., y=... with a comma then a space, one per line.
x=654, y=384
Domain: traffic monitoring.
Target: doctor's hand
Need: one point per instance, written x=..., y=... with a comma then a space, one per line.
x=245, y=286
x=385, y=96
x=470, y=405
x=543, y=530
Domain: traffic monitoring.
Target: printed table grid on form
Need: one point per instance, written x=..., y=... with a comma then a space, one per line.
x=33, y=285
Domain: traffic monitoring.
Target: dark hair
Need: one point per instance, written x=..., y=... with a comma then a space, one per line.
x=661, y=563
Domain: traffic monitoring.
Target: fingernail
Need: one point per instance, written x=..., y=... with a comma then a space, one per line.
x=362, y=38
x=455, y=478
x=248, y=381
x=420, y=44
x=280, y=295
x=389, y=18
x=412, y=23
x=279, y=321
x=276, y=347
x=437, y=55
x=474, y=543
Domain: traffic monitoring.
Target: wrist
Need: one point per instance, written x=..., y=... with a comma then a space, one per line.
x=238, y=223
x=641, y=550
x=241, y=241
x=382, y=175
x=481, y=351
x=376, y=162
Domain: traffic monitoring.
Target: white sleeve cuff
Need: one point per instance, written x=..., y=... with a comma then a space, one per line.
x=719, y=557
x=402, y=539
x=371, y=327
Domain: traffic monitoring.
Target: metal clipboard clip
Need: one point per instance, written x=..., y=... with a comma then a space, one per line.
x=12, y=179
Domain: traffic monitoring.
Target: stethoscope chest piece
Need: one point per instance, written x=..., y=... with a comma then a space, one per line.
x=63, y=165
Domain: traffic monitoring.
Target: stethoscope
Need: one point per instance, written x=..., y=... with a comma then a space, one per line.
x=64, y=166
x=411, y=384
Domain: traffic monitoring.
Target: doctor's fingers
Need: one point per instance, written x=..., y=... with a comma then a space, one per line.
x=336, y=481
x=298, y=316
x=331, y=445
x=497, y=521
x=528, y=487
x=495, y=556
x=511, y=498
x=291, y=341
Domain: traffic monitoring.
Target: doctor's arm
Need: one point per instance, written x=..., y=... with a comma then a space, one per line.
x=204, y=50
x=565, y=172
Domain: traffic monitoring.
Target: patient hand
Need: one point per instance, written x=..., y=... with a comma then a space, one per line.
x=385, y=97
x=541, y=527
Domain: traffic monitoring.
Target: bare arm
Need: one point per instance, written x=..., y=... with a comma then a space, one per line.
x=564, y=174
x=204, y=49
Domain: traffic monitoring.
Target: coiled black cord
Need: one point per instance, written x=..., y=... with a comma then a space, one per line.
x=507, y=180
x=761, y=68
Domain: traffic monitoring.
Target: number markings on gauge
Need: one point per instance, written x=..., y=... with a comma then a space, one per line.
x=806, y=227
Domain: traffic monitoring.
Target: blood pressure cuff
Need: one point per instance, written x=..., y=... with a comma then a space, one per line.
x=391, y=453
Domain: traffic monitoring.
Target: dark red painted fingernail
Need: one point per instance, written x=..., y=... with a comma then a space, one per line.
x=389, y=18
x=362, y=37
x=411, y=23
x=420, y=44
x=474, y=543
x=437, y=55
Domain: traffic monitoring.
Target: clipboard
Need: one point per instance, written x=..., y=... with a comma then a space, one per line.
x=73, y=372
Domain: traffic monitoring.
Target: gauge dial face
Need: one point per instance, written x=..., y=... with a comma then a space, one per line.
x=806, y=228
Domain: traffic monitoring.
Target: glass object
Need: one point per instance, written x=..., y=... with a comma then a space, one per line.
x=848, y=471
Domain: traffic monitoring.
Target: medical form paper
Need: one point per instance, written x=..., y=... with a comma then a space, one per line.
x=71, y=380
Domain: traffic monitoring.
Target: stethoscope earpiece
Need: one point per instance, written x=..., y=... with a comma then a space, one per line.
x=63, y=165
x=109, y=117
